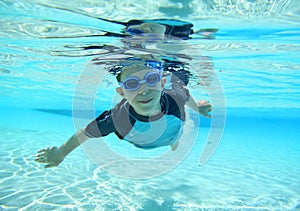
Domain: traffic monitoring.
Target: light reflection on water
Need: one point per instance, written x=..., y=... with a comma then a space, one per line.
x=47, y=46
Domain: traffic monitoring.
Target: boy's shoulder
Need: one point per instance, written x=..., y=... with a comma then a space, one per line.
x=178, y=93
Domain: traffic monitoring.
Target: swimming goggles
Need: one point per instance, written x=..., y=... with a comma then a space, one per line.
x=133, y=83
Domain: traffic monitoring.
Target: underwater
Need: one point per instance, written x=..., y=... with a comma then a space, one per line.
x=240, y=55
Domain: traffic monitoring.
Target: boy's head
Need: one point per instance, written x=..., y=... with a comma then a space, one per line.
x=141, y=83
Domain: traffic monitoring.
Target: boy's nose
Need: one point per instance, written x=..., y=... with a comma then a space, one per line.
x=143, y=89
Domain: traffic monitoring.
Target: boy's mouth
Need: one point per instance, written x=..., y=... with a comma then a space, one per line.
x=145, y=101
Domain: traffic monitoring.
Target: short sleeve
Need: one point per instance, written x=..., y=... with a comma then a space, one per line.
x=179, y=93
x=101, y=126
x=177, y=98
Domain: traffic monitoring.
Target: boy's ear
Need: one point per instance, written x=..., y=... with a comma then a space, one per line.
x=120, y=91
x=163, y=82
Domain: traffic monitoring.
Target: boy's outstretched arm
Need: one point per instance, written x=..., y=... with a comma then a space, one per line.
x=203, y=107
x=53, y=156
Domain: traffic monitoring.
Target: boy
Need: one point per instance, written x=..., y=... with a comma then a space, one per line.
x=146, y=107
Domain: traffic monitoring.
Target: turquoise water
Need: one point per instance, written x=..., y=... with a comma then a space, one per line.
x=256, y=59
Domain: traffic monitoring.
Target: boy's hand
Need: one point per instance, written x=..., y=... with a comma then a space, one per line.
x=51, y=156
x=204, y=107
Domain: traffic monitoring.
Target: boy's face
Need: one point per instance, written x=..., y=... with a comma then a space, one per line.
x=145, y=100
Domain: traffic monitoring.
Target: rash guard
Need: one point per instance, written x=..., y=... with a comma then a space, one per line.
x=158, y=130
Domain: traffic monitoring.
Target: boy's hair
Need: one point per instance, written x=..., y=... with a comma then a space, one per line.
x=143, y=60
x=168, y=65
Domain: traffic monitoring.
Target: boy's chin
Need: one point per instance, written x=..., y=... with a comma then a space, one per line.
x=145, y=109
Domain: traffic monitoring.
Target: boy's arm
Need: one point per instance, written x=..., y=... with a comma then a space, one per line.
x=203, y=107
x=53, y=156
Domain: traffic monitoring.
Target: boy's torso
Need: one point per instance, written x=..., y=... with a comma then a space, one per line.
x=142, y=131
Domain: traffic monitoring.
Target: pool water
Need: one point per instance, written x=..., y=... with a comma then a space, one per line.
x=256, y=59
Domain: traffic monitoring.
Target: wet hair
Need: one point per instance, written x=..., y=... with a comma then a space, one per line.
x=177, y=68
x=143, y=60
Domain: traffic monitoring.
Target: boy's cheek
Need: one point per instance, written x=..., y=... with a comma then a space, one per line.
x=163, y=82
x=129, y=95
x=120, y=91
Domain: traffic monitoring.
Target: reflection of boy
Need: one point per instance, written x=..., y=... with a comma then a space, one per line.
x=148, y=116
x=170, y=27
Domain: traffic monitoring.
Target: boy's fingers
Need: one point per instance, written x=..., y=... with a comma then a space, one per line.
x=42, y=150
x=40, y=154
x=46, y=149
x=49, y=165
x=41, y=159
x=38, y=157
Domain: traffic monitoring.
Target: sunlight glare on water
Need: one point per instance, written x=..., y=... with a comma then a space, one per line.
x=52, y=36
